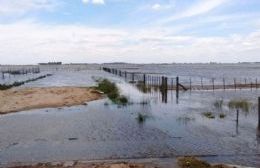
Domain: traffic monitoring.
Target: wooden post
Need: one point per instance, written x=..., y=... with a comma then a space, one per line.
x=144, y=79
x=162, y=84
x=201, y=81
x=190, y=84
x=213, y=83
x=171, y=83
x=224, y=84
x=3, y=75
x=237, y=115
x=177, y=89
x=258, y=112
x=177, y=84
x=133, y=77
x=166, y=83
x=235, y=85
x=256, y=85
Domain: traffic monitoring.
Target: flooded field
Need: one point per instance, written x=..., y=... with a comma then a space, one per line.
x=170, y=126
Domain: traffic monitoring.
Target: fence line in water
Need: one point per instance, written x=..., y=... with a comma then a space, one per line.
x=21, y=71
x=177, y=83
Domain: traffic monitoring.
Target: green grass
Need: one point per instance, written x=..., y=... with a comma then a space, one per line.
x=192, y=162
x=209, y=115
x=112, y=92
x=222, y=115
x=141, y=118
x=240, y=104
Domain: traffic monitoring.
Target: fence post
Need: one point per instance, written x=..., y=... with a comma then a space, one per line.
x=162, y=84
x=201, y=81
x=213, y=83
x=256, y=85
x=177, y=84
x=166, y=83
x=224, y=84
x=190, y=84
x=144, y=79
x=258, y=112
x=235, y=85
x=133, y=77
x=237, y=115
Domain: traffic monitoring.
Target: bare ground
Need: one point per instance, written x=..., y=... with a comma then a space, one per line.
x=20, y=99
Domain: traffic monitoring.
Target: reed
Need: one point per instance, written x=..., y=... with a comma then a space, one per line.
x=240, y=104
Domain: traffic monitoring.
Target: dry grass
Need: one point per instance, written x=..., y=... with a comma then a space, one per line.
x=240, y=104
x=192, y=162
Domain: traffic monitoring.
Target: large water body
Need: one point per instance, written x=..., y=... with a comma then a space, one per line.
x=101, y=131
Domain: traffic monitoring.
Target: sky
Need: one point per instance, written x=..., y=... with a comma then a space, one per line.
x=133, y=31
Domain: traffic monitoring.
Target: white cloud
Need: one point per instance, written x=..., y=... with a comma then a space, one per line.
x=97, y=2
x=28, y=42
x=85, y=1
x=204, y=6
x=8, y=7
x=156, y=6
x=159, y=7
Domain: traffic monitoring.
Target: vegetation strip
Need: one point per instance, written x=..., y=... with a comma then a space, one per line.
x=112, y=92
x=16, y=84
x=192, y=162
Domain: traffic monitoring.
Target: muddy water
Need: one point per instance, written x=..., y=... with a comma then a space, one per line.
x=102, y=130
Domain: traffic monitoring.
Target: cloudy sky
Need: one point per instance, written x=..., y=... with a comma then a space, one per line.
x=139, y=31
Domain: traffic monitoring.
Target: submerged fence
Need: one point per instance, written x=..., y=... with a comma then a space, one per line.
x=184, y=83
x=18, y=71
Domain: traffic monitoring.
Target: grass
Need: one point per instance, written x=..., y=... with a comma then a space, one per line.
x=141, y=118
x=240, y=104
x=218, y=104
x=192, y=162
x=112, y=92
x=222, y=115
x=209, y=115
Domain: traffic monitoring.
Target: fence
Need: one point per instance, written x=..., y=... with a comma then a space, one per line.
x=184, y=83
x=21, y=71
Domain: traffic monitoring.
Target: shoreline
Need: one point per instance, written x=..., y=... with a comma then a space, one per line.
x=126, y=163
x=22, y=99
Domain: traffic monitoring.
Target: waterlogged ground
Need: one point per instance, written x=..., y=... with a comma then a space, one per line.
x=102, y=130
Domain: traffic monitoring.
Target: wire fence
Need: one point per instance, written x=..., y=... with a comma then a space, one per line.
x=185, y=82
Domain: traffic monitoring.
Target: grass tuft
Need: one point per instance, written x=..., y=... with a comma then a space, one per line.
x=209, y=115
x=240, y=104
x=222, y=115
x=192, y=162
x=112, y=92
x=141, y=118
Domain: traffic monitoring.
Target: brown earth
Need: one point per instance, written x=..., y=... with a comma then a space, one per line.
x=20, y=99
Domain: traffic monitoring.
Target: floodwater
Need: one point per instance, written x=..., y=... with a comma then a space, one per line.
x=103, y=130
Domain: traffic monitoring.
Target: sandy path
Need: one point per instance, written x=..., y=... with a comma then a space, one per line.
x=15, y=100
